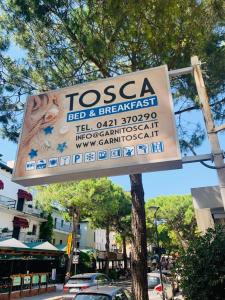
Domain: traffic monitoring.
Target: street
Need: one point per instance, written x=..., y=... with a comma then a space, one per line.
x=59, y=292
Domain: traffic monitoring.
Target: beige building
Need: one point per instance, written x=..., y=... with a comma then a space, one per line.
x=61, y=228
x=95, y=238
x=208, y=206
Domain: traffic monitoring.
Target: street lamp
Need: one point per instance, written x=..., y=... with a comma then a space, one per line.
x=155, y=210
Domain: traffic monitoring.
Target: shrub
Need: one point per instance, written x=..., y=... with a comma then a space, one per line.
x=202, y=267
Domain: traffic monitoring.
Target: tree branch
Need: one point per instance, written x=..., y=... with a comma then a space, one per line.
x=197, y=107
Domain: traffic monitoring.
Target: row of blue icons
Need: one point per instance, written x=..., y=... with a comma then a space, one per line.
x=92, y=156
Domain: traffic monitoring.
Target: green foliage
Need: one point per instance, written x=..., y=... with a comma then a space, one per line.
x=202, y=267
x=122, y=223
x=107, y=203
x=102, y=202
x=62, y=196
x=68, y=42
x=179, y=224
x=46, y=229
x=86, y=262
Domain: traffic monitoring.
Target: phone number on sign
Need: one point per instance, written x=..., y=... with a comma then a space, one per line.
x=142, y=118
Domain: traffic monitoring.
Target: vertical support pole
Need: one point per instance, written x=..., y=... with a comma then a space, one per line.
x=39, y=283
x=160, y=266
x=47, y=279
x=75, y=269
x=30, y=285
x=210, y=126
x=10, y=286
x=75, y=213
x=21, y=285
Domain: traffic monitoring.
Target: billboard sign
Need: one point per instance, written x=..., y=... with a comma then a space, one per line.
x=112, y=126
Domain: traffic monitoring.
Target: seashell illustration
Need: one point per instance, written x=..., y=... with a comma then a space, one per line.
x=52, y=113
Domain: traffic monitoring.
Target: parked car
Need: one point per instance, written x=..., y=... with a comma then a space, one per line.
x=80, y=282
x=155, y=287
x=104, y=293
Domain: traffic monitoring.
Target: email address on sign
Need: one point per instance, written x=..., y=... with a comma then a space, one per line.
x=118, y=131
x=119, y=139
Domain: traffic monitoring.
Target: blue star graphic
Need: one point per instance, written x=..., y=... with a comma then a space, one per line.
x=33, y=153
x=48, y=130
x=61, y=147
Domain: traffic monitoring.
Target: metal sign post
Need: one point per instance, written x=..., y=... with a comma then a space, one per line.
x=217, y=155
x=212, y=130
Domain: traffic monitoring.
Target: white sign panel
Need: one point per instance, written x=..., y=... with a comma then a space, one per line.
x=107, y=127
x=75, y=259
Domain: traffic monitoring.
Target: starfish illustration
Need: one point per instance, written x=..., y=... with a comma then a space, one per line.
x=48, y=130
x=61, y=147
x=33, y=153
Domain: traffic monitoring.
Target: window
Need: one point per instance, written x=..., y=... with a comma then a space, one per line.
x=80, y=280
x=60, y=242
x=62, y=223
x=34, y=230
x=153, y=281
x=78, y=244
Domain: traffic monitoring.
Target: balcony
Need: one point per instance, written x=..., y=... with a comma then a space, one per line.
x=24, y=237
x=7, y=202
x=27, y=208
x=63, y=227
x=5, y=234
x=27, y=237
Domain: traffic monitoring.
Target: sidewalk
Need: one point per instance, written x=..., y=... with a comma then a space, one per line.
x=48, y=296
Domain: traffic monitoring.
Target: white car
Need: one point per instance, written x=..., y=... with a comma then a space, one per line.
x=155, y=287
x=104, y=293
x=81, y=282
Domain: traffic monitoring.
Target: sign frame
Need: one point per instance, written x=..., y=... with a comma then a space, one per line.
x=173, y=162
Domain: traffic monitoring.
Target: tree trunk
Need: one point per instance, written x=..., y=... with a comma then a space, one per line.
x=107, y=251
x=124, y=252
x=139, y=244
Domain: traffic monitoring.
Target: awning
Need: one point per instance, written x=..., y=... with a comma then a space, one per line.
x=20, y=222
x=1, y=185
x=61, y=247
x=11, y=243
x=25, y=195
x=41, y=246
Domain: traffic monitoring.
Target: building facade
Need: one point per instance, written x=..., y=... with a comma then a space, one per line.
x=20, y=218
x=61, y=229
x=95, y=238
x=208, y=206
